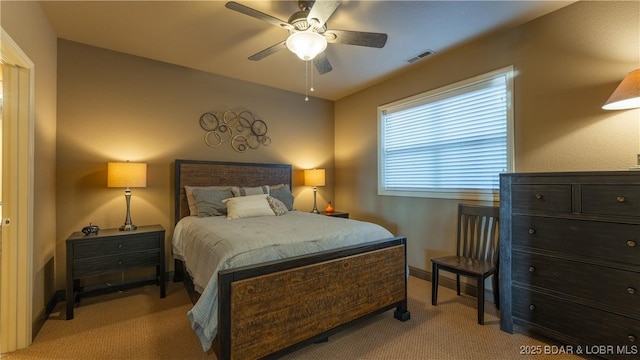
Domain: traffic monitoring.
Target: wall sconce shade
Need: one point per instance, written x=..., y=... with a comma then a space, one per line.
x=127, y=175
x=306, y=44
x=627, y=94
x=314, y=177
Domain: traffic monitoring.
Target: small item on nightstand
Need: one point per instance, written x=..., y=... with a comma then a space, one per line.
x=91, y=229
x=329, y=208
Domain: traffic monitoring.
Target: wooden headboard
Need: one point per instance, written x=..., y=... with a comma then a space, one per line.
x=218, y=173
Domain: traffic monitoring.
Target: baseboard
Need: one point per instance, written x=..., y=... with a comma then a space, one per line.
x=465, y=288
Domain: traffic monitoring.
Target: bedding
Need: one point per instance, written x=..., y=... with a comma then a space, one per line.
x=208, y=245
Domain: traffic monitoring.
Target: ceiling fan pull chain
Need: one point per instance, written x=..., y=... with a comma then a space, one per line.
x=306, y=81
x=311, y=88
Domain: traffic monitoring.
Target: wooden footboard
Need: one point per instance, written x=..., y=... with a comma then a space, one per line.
x=272, y=308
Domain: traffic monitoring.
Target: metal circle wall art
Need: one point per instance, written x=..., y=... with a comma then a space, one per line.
x=242, y=130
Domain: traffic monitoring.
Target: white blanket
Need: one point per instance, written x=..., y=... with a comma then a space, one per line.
x=208, y=245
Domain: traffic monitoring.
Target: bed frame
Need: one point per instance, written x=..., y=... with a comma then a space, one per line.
x=272, y=308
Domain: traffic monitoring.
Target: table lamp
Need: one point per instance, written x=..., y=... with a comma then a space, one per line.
x=626, y=96
x=127, y=175
x=315, y=178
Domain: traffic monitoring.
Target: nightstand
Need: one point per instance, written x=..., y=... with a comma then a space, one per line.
x=113, y=251
x=336, y=214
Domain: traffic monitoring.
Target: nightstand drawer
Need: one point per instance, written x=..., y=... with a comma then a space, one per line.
x=115, y=245
x=115, y=263
x=576, y=320
x=618, y=200
x=542, y=197
x=603, y=240
x=614, y=287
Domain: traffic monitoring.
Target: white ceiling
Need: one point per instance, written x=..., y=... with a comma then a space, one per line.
x=204, y=35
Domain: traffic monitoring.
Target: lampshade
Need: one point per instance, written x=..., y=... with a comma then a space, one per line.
x=314, y=177
x=126, y=174
x=627, y=94
x=306, y=44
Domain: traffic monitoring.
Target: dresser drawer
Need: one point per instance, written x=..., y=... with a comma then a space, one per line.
x=602, y=240
x=542, y=197
x=591, y=325
x=115, y=263
x=115, y=245
x=622, y=200
x=614, y=287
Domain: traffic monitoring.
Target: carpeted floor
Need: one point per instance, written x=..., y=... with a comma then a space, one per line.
x=137, y=324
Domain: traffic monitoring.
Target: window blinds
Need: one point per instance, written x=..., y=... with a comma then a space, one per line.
x=450, y=141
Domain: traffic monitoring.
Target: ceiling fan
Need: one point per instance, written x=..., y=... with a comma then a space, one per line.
x=308, y=33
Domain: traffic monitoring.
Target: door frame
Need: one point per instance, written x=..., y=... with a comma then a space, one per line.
x=16, y=282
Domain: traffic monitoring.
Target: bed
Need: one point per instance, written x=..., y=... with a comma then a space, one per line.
x=286, y=300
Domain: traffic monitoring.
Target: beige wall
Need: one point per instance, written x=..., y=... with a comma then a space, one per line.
x=116, y=107
x=567, y=64
x=27, y=25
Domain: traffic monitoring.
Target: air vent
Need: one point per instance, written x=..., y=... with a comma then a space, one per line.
x=421, y=55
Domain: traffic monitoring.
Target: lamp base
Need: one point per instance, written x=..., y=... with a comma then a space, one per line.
x=315, y=207
x=636, y=167
x=129, y=227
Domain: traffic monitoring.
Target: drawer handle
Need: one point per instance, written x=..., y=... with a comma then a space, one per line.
x=532, y=231
x=631, y=243
x=119, y=262
x=631, y=290
x=532, y=307
x=532, y=269
x=120, y=246
x=538, y=196
x=620, y=199
x=631, y=338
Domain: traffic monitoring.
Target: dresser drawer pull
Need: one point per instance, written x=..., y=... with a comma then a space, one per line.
x=631, y=243
x=631, y=290
x=532, y=269
x=119, y=262
x=539, y=196
x=631, y=338
x=532, y=231
x=620, y=199
x=532, y=307
x=120, y=246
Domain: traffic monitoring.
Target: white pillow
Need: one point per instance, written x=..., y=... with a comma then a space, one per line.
x=248, y=206
x=247, y=191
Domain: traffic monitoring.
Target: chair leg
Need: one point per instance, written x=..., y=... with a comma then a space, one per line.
x=496, y=290
x=434, y=284
x=458, y=284
x=480, y=287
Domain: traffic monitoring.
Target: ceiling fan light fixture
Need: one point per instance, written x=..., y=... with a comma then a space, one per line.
x=306, y=44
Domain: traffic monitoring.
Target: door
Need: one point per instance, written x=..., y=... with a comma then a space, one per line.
x=16, y=275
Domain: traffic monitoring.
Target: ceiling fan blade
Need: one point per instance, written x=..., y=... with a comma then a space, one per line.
x=258, y=15
x=322, y=11
x=377, y=40
x=268, y=51
x=322, y=63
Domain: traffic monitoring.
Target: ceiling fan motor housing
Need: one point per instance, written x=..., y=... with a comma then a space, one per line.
x=300, y=22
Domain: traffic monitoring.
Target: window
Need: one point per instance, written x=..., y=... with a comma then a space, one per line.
x=452, y=142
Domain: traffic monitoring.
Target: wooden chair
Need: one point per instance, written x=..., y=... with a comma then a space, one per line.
x=476, y=254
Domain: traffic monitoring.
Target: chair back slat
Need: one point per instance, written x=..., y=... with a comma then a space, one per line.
x=478, y=232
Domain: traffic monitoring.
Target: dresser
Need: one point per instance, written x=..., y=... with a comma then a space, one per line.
x=113, y=251
x=570, y=259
